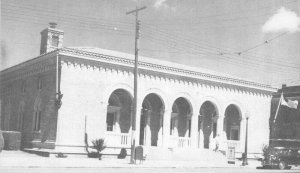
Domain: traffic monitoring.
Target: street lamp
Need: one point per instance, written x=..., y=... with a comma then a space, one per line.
x=245, y=160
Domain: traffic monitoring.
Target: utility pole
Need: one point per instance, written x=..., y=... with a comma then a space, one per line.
x=133, y=115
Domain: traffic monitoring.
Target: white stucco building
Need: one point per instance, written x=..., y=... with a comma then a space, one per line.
x=178, y=106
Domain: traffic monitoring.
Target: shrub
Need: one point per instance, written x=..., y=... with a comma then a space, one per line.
x=12, y=140
x=1, y=141
x=93, y=154
x=98, y=144
x=122, y=154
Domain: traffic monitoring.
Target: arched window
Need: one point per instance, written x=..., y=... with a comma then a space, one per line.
x=39, y=84
x=37, y=121
x=7, y=112
x=21, y=116
x=232, y=122
x=23, y=87
x=37, y=113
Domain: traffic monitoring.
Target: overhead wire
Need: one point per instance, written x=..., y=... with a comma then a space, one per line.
x=42, y=9
x=66, y=19
x=228, y=60
x=262, y=44
x=68, y=25
x=81, y=24
x=207, y=50
x=229, y=13
x=210, y=49
x=232, y=52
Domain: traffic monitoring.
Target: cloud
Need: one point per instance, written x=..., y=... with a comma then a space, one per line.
x=284, y=20
x=160, y=3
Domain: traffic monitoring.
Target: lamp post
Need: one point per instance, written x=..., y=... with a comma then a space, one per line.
x=245, y=160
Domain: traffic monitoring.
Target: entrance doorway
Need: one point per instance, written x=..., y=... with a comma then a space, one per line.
x=208, y=122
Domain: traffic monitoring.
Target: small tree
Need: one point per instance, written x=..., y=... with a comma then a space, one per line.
x=99, y=145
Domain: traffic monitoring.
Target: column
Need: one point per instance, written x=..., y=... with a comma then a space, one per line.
x=200, y=134
x=188, y=117
x=176, y=126
x=242, y=134
x=160, y=131
x=221, y=135
x=220, y=124
x=117, y=125
x=194, y=129
x=166, y=128
x=147, y=135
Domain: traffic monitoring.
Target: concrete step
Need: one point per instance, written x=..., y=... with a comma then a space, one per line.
x=157, y=153
x=186, y=154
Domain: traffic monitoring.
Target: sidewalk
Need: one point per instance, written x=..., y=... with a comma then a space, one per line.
x=22, y=159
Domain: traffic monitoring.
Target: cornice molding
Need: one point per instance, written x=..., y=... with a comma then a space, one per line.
x=165, y=69
x=91, y=60
x=28, y=69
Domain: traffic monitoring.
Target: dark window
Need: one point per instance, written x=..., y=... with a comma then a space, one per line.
x=54, y=41
x=110, y=121
x=39, y=84
x=20, y=120
x=37, y=120
x=23, y=87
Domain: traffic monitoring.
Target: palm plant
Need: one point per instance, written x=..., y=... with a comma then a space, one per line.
x=99, y=145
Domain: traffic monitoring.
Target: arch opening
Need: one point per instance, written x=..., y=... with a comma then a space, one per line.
x=232, y=122
x=208, y=122
x=180, y=122
x=151, y=122
x=118, y=117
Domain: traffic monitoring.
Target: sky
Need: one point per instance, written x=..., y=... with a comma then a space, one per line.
x=254, y=40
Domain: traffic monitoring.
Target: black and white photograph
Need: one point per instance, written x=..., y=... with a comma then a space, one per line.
x=173, y=86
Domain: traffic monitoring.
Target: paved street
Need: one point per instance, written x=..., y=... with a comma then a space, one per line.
x=18, y=161
x=138, y=170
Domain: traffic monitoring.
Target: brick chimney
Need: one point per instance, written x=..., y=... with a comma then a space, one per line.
x=51, y=38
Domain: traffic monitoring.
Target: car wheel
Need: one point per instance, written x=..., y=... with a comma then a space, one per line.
x=282, y=165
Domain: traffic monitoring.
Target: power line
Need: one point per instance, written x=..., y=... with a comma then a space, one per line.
x=112, y=26
x=67, y=19
x=67, y=24
x=214, y=50
x=229, y=60
x=232, y=52
x=42, y=9
x=262, y=44
x=207, y=49
x=252, y=10
x=210, y=51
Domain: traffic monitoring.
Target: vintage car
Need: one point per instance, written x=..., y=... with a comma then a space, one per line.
x=281, y=157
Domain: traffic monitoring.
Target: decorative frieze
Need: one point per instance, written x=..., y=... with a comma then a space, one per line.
x=161, y=67
x=28, y=71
